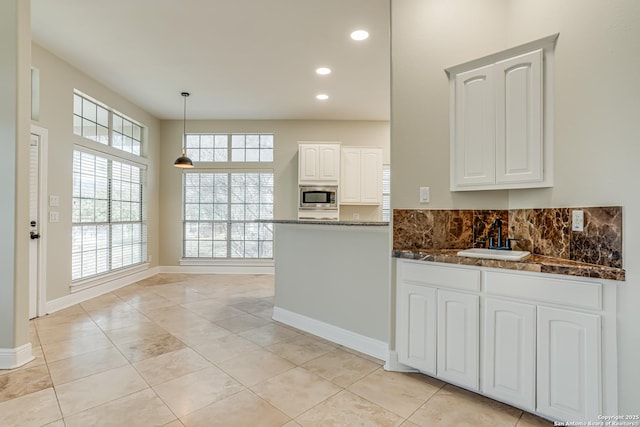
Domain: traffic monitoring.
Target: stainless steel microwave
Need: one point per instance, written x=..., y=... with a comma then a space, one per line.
x=314, y=197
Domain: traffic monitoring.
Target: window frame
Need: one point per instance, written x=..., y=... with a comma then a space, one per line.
x=228, y=259
x=194, y=153
x=108, y=125
x=110, y=153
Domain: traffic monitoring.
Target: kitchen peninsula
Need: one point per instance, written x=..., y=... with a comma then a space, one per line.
x=332, y=279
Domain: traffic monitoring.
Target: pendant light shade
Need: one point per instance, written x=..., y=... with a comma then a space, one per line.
x=183, y=161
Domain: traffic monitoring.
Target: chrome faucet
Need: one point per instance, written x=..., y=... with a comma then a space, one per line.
x=497, y=226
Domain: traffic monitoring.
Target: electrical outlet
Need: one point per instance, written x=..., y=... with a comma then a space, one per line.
x=577, y=220
x=54, y=201
x=356, y=216
x=425, y=194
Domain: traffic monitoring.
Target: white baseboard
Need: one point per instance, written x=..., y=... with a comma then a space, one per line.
x=11, y=358
x=119, y=282
x=218, y=269
x=352, y=340
x=95, y=291
x=395, y=366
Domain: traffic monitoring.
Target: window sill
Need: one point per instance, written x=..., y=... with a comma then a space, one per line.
x=251, y=262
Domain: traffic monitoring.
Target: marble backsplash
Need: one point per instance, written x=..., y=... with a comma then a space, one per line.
x=540, y=231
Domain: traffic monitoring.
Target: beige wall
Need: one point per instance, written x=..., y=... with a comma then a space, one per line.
x=15, y=36
x=287, y=133
x=597, y=101
x=58, y=79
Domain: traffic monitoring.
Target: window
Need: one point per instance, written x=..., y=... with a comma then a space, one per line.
x=91, y=121
x=234, y=147
x=386, y=193
x=108, y=224
x=220, y=209
x=108, y=231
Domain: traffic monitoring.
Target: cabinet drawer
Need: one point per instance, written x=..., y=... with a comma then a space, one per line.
x=442, y=277
x=571, y=293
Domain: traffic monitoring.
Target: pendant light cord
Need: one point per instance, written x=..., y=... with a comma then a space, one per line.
x=184, y=124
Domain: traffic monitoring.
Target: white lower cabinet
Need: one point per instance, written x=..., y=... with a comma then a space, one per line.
x=437, y=325
x=458, y=351
x=509, y=357
x=531, y=340
x=569, y=349
x=418, y=325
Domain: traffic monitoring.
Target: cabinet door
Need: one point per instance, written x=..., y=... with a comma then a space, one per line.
x=473, y=151
x=519, y=135
x=308, y=163
x=458, y=352
x=329, y=166
x=508, y=367
x=350, y=175
x=371, y=176
x=568, y=364
x=416, y=329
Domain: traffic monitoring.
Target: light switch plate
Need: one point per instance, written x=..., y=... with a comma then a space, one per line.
x=425, y=194
x=54, y=216
x=577, y=220
x=54, y=201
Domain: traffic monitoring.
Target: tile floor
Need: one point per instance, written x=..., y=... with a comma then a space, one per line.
x=202, y=350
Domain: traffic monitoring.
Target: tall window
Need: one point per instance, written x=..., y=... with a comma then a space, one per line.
x=108, y=221
x=220, y=207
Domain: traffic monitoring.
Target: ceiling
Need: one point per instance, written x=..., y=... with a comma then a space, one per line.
x=240, y=59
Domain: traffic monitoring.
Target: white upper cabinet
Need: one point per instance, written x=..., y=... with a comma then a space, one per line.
x=519, y=142
x=501, y=119
x=361, y=176
x=319, y=163
x=474, y=146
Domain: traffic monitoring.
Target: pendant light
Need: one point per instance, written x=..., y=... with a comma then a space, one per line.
x=183, y=161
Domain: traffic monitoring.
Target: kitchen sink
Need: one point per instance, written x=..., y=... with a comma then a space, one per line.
x=494, y=254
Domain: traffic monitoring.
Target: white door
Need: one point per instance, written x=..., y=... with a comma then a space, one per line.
x=474, y=150
x=36, y=222
x=458, y=338
x=329, y=170
x=308, y=163
x=417, y=327
x=350, y=175
x=569, y=373
x=371, y=176
x=519, y=119
x=509, y=362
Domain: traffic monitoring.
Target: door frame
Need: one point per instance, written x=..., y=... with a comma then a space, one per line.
x=43, y=219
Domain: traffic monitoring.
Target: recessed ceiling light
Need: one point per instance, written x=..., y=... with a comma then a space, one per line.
x=322, y=97
x=323, y=71
x=359, y=35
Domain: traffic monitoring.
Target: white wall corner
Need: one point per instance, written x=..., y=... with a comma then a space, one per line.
x=363, y=344
x=11, y=358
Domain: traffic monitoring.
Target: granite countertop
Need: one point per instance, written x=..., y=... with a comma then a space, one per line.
x=326, y=222
x=533, y=263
